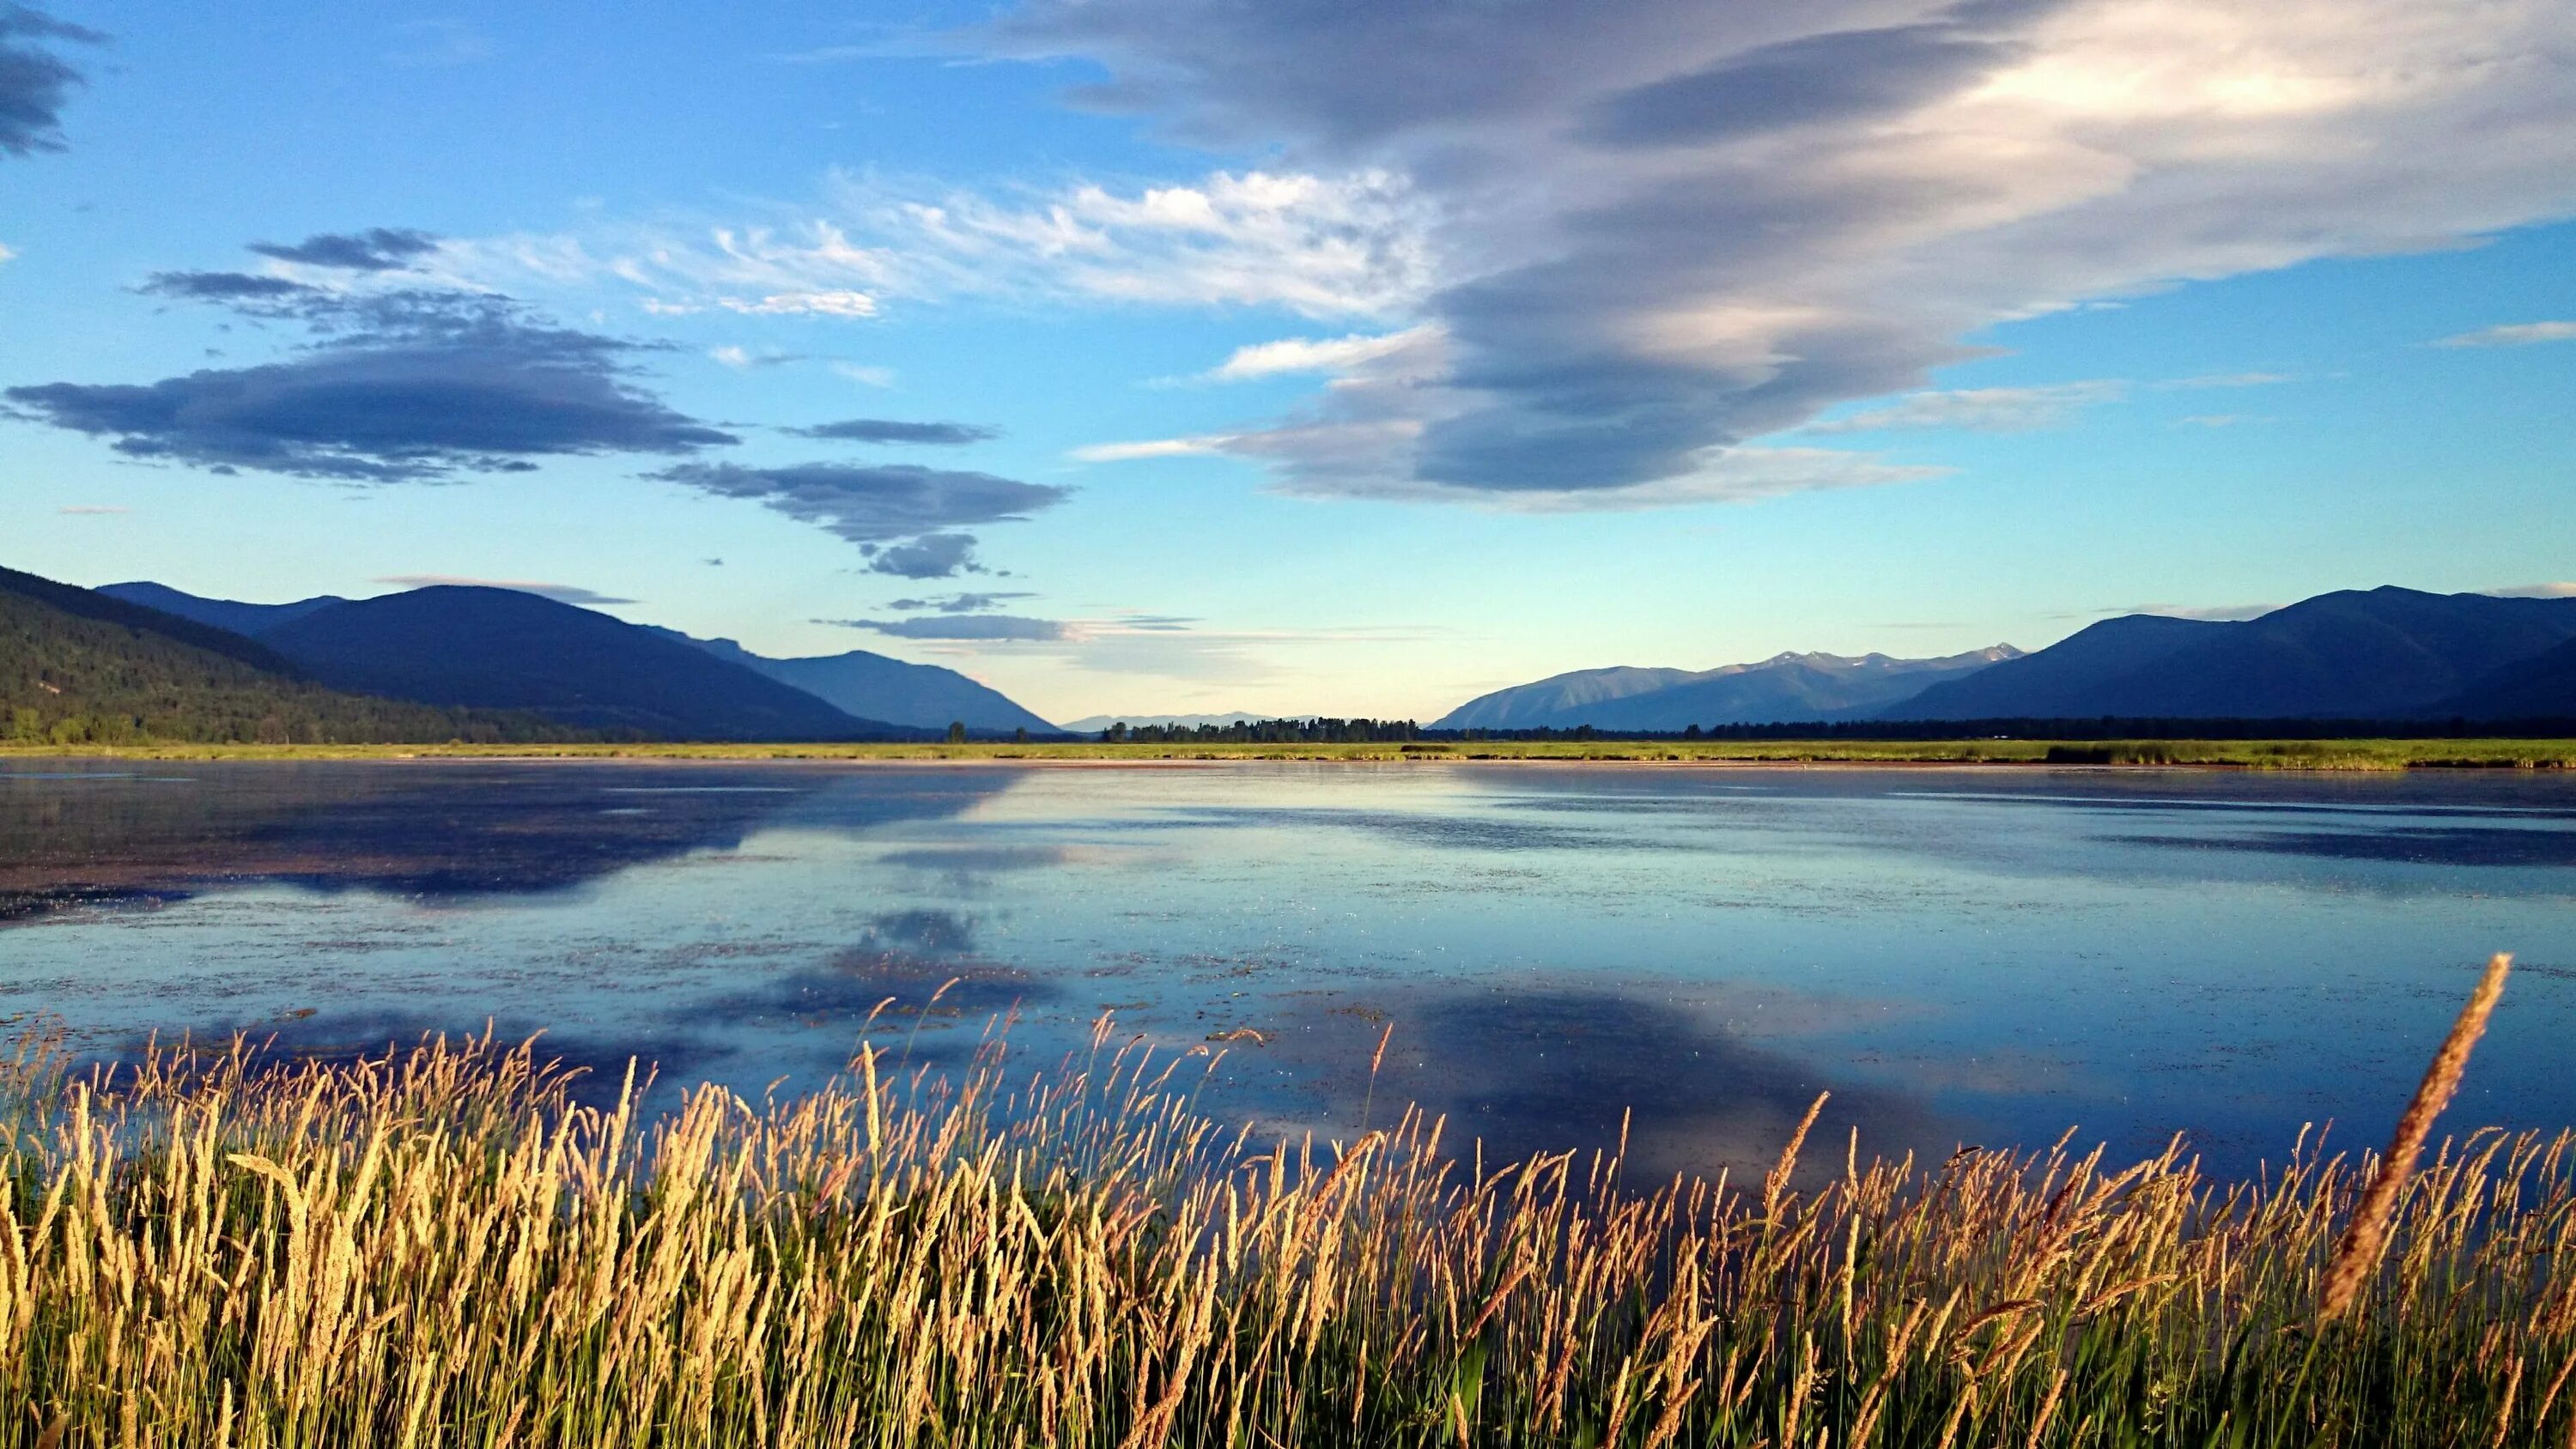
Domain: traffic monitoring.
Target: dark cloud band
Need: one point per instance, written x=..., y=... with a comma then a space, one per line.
x=377, y=249
x=889, y=430
x=35, y=80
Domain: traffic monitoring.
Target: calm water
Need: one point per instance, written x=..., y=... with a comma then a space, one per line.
x=1961, y=956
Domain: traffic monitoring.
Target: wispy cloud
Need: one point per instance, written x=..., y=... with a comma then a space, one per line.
x=560, y=593
x=981, y=627
x=378, y=249
x=743, y=359
x=1321, y=246
x=1151, y=448
x=1311, y=354
x=2219, y=420
x=893, y=430
x=974, y=603
x=838, y=303
x=1981, y=409
x=92, y=510
x=2536, y=591
x=2513, y=334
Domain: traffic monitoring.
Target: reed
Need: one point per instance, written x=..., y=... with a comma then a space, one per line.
x=445, y=1246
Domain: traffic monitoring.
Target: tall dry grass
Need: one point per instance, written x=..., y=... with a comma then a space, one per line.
x=441, y=1246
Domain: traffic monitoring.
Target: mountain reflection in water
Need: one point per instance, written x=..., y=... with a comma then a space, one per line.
x=1562, y=953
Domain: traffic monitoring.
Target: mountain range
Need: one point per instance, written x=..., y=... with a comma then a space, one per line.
x=2388, y=654
x=2377, y=654
x=504, y=648
x=80, y=667
x=923, y=696
x=1784, y=687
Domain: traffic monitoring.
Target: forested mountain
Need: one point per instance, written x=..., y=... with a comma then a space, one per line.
x=2386, y=653
x=502, y=648
x=881, y=695
x=77, y=667
x=1785, y=687
x=249, y=620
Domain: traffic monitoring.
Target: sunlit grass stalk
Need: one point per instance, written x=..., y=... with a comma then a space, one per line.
x=444, y=1246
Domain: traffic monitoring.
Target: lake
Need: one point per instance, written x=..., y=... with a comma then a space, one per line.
x=1971, y=956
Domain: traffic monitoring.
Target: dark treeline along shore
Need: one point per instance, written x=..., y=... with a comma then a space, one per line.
x=443, y=1245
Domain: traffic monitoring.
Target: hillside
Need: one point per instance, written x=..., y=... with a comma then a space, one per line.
x=2542, y=687
x=2386, y=653
x=77, y=667
x=248, y=620
x=500, y=648
x=1785, y=687
x=881, y=695
x=924, y=696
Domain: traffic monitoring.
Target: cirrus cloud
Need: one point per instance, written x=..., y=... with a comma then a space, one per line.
x=2513, y=334
x=979, y=627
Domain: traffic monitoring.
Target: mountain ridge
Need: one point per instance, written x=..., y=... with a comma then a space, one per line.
x=908, y=698
x=2385, y=653
x=1789, y=685
x=78, y=667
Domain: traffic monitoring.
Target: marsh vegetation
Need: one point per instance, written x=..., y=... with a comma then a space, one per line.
x=450, y=1245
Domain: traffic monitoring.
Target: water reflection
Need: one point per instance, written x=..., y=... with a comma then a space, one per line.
x=1960, y=956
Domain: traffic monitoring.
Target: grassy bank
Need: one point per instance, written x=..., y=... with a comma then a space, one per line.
x=441, y=1247
x=2238, y=754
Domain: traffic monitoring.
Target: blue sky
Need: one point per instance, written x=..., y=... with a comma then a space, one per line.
x=1299, y=356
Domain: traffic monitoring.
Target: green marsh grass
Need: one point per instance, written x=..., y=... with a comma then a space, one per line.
x=442, y=1245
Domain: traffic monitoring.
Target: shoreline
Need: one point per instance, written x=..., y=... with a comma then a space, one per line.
x=2309, y=756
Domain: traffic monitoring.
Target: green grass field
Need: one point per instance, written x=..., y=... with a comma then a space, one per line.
x=2234, y=754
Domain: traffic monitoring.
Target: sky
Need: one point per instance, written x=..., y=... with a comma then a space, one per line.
x=1152, y=356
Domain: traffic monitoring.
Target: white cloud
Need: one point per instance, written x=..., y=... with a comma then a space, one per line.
x=7, y=254
x=865, y=374
x=1634, y=237
x=92, y=510
x=2218, y=420
x=2537, y=591
x=1348, y=245
x=1980, y=409
x=2516, y=334
x=1151, y=448
x=730, y=356
x=1658, y=230
x=1312, y=354
x=840, y=303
